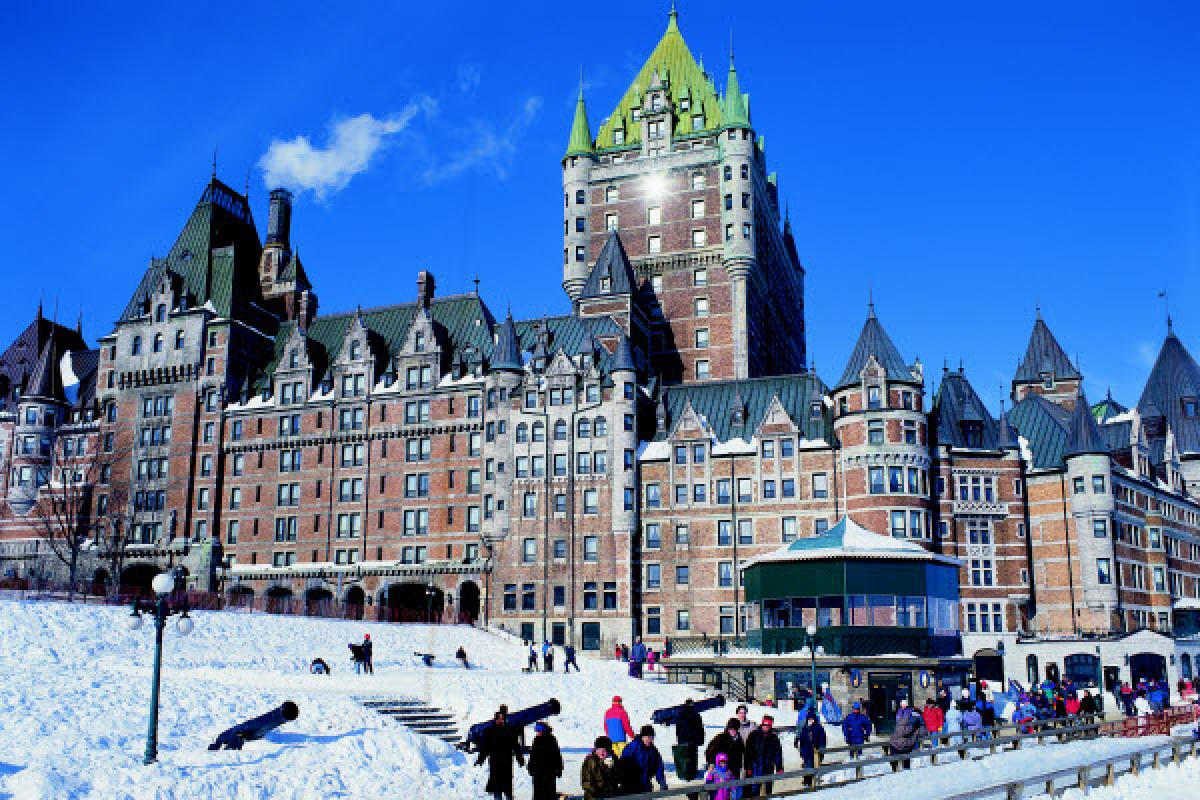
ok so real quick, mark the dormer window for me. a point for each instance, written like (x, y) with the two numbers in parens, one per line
(1191, 407)
(293, 359)
(419, 342)
(619, 136)
(654, 130)
(606, 284)
(697, 122)
(972, 433)
(637, 115)
(874, 397)
(355, 350)
(656, 102)
(160, 313)
(685, 104)
(1047, 380)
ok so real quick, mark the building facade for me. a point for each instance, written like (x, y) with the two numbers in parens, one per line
(603, 473)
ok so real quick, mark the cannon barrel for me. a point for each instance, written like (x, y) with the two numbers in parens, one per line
(517, 719)
(670, 714)
(256, 728)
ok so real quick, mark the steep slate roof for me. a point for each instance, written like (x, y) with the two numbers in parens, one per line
(623, 357)
(1107, 408)
(1175, 376)
(715, 401)
(507, 352)
(1083, 435)
(462, 319)
(1045, 426)
(955, 402)
(1043, 354)
(848, 539)
(46, 379)
(673, 61)
(580, 143)
(215, 257)
(1117, 434)
(293, 270)
(613, 264)
(874, 341)
(735, 106)
(21, 357)
(573, 335)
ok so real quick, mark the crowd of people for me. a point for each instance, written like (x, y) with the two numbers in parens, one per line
(544, 656)
(639, 657)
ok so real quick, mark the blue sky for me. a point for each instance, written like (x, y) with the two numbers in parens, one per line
(965, 161)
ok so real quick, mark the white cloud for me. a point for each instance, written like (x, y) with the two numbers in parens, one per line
(351, 144)
(469, 78)
(486, 148)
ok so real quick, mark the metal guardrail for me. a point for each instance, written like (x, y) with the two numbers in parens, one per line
(824, 776)
(1046, 782)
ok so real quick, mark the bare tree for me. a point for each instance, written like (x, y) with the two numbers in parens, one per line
(113, 535)
(63, 512)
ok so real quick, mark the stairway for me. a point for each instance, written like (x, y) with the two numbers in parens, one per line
(417, 716)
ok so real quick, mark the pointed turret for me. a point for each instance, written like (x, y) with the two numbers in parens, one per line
(735, 108)
(623, 357)
(1083, 436)
(46, 381)
(1172, 392)
(873, 341)
(613, 274)
(580, 143)
(507, 355)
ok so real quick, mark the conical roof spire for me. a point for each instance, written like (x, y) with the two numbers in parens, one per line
(507, 355)
(1083, 436)
(735, 112)
(46, 382)
(623, 358)
(580, 143)
(873, 341)
(1044, 354)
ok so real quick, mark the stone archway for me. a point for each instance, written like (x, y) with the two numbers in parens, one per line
(241, 597)
(989, 666)
(318, 602)
(354, 602)
(279, 600)
(468, 602)
(411, 602)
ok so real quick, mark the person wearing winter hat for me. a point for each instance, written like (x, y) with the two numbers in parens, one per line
(856, 729)
(545, 763)
(720, 773)
(617, 726)
(597, 776)
(641, 764)
(368, 650)
(728, 743)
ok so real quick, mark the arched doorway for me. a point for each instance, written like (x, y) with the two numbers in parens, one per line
(241, 597)
(411, 602)
(989, 666)
(468, 602)
(279, 600)
(1147, 666)
(353, 603)
(318, 602)
(136, 579)
(100, 581)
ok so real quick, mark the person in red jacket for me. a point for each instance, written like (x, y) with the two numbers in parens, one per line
(933, 716)
(616, 726)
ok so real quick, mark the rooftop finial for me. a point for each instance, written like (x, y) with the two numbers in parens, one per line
(214, 164)
(476, 282)
(870, 302)
(1037, 310)
(673, 18)
(1167, 309)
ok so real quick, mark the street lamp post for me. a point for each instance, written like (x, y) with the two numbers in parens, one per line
(162, 610)
(813, 649)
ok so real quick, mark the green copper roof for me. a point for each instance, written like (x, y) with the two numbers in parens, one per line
(676, 67)
(735, 108)
(581, 133)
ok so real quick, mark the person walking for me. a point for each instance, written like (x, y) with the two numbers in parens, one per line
(810, 741)
(545, 763)
(933, 716)
(856, 729)
(689, 737)
(641, 764)
(637, 658)
(617, 727)
(597, 776)
(499, 747)
(909, 727)
(368, 651)
(533, 658)
(547, 656)
(952, 723)
(569, 659)
(729, 744)
(764, 756)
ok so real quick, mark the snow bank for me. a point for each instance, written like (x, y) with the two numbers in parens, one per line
(1172, 782)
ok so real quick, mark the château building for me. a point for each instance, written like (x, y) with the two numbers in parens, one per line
(606, 472)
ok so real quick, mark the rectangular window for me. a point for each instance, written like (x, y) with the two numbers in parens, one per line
(653, 537)
(724, 533)
(654, 244)
(529, 551)
(899, 524)
(1100, 528)
(682, 575)
(875, 431)
(591, 548)
(724, 574)
(1098, 484)
(653, 576)
(1104, 570)
(788, 525)
(820, 486)
(683, 620)
(876, 479)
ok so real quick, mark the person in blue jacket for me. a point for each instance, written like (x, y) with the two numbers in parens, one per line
(810, 739)
(641, 764)
(856, 729)
(637, 657)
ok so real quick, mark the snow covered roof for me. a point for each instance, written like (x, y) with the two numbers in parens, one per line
(848, 539)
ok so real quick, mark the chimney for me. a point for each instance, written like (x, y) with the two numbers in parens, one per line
(279, 220)
(425, 285)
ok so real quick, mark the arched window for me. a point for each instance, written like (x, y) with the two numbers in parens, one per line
(522, 432)
(560, 431)
(539, 432)
(160, 313)
(600, 427)
(136, 347)
(158, 342)
(583, 428)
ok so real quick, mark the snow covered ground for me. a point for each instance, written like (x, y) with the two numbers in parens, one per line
(1172, 782)
(74, 692)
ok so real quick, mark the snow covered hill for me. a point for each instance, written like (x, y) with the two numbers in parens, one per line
(74, 695)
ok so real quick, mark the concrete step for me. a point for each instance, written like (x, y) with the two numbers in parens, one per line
(418, 716)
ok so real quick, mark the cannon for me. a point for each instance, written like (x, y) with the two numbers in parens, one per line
(426, 658)
(515, 719)
(255, 728)
(670, 714)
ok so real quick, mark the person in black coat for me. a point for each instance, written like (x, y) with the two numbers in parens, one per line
(764, 756)
(689, 736)
(729, 742)
(545, 763)
(368, 651)
(499, 747)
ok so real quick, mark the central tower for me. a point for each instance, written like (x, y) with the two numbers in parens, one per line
(678, 172)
